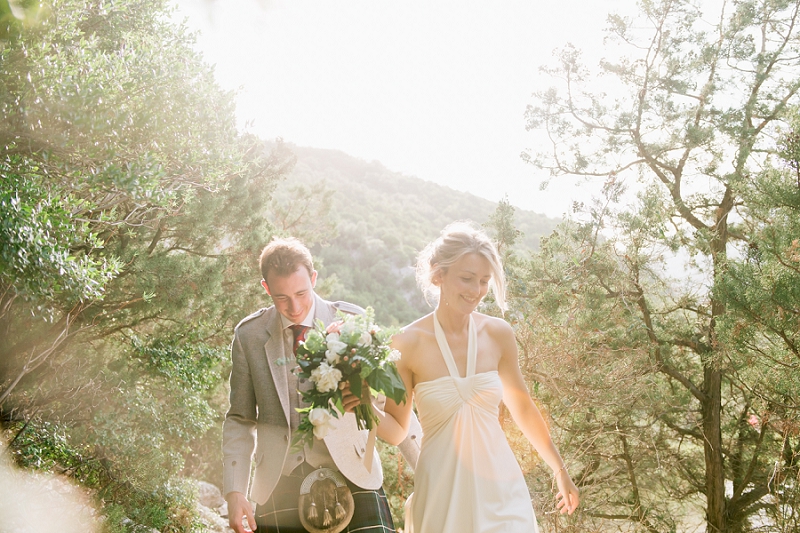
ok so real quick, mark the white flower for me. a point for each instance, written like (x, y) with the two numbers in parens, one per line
(334, 344)
(348, 328)
(321, 419)
(331, 357)
(326, 377)
(365, 339)
(394, 356)
(335, 347)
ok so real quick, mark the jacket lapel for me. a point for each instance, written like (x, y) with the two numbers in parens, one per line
(276, 350)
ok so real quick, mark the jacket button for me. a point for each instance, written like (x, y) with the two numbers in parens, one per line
(233, 463)
(286, 438)
(413, 437)
(363, 450)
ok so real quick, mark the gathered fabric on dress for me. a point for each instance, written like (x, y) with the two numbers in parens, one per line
(467, 478)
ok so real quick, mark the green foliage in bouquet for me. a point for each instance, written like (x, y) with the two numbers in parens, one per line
(355, 351)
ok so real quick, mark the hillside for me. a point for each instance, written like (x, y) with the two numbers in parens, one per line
(382, 219)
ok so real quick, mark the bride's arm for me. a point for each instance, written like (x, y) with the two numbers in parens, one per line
(528, 417)
(395, 419)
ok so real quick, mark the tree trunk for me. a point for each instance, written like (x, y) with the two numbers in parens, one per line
(715, 473)
(716, 511)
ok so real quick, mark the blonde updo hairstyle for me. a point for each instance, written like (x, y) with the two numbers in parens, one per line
(456, 240)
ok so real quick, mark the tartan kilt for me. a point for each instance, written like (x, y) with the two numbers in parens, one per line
(279, 514)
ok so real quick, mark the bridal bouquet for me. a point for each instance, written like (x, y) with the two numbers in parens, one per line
(351, 350)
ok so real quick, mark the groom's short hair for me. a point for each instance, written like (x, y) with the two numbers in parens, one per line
(283, 256)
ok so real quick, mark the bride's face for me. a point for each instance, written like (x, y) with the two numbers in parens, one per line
(465, 283)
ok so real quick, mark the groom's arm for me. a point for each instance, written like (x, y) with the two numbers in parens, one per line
(410, 447)
(239, 439)
(239, 427)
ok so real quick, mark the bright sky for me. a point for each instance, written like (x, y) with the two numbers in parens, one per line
(433, 89)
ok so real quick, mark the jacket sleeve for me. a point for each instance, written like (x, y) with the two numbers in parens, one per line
(239, 427)
(410, 447)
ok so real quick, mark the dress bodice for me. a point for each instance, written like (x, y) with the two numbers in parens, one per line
(438, 399)
(467, 478)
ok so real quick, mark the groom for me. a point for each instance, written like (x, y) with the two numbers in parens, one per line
(263, 401)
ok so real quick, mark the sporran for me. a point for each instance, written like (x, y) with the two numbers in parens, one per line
(326, 503)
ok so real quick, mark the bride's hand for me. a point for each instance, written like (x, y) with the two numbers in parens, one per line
(567, 496)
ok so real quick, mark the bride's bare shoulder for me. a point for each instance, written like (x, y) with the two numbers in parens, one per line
(496, 327)
(413, 334)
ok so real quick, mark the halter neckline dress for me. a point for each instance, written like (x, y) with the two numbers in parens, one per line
(467, 479)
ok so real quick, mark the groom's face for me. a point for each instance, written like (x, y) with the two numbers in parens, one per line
(292, 295)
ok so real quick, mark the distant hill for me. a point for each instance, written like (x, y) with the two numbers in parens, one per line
(382, 220)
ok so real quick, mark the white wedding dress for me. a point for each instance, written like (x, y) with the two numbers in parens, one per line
(467, 479)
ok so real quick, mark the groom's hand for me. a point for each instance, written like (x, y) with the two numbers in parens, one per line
(349, 400)
(239, 509)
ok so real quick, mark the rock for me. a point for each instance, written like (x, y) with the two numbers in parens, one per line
(212, 508)
(213, 520)
(209, 495)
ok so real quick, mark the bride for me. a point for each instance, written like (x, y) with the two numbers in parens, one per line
(460, 364)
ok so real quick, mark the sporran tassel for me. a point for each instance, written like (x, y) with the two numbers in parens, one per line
(326, 520)
(312, 512)
(340, 512)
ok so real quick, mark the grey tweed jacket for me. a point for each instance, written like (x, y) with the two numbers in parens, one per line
(257, 423)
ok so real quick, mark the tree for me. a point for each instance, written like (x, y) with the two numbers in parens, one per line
(132, 213)
(760, 331)
(696, 107)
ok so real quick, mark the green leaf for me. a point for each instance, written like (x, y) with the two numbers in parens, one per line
(355, 385)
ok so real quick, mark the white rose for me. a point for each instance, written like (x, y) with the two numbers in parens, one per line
(365, 339)
(394, 356)
(331, 357)
(326, 377)
(334, 344)
(321, 420)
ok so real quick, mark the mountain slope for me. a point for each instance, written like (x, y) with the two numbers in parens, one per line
(382, 220)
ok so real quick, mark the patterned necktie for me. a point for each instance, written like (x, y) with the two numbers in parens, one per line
(299, 333)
